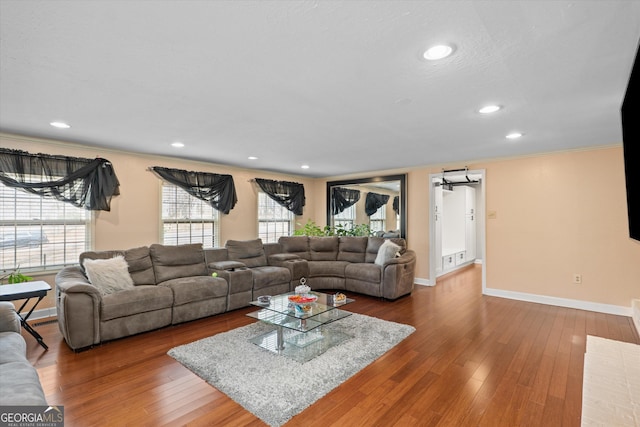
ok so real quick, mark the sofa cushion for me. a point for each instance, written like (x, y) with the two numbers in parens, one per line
(140, 299)
(172, 262)
(327, 268)
(21, 386)
(249, 252)
(388, 250)
(12, 347)
(364, 271)
(323, 248)
(352, 249)
(108, 275)
(196, 288)
(269, 275)
(297, 245)
(140, 266)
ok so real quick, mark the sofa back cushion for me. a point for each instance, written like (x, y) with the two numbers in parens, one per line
(352, 249)
(323, 248)
(138, 259)
(172, 262)
(140, 266)
(248, 252)
(297, 245)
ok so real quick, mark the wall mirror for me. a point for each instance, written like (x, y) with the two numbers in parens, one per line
(379, 202)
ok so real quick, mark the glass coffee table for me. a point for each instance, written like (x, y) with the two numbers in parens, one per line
(299, 335)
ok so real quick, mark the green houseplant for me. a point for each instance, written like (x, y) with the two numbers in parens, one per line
(312, 229)
(15, 277)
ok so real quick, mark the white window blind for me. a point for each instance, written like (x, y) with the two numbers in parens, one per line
(186, 219)
(377, 221)
(273, 220)
(38, 233)
(346, 218)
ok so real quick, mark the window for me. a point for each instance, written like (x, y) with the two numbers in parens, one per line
(273, 220)
(38, 233)
(378, 219)
(346, 218)
(186, 219)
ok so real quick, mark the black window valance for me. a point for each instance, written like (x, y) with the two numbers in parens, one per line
(88, 183)
(289, 195)
(342, 198)
(374, 201)
(217, 190)
(396, 205)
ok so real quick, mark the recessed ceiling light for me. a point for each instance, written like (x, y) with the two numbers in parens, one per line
(252, 158)
(488, 109)
(305, 166)
(177, 144)
(438, 52)
(60, 125)
(514, 135)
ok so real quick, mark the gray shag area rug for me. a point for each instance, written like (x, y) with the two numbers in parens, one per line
(275, 388)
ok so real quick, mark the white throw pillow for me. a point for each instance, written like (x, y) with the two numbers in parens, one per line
(108, 275)
(388, 250)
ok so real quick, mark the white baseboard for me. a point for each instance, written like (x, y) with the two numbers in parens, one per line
(561, 302)
(423, 282)
(41, 314)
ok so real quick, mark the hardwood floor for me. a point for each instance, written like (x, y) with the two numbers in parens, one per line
(473, 360)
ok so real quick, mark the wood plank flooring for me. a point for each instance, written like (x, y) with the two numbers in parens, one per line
(473, 361)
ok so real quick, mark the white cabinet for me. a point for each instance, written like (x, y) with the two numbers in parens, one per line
(448, 262)
(455, 227)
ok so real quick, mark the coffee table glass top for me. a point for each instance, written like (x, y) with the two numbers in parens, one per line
(299, 335)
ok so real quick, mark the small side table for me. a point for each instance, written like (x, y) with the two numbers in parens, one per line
(26, 290)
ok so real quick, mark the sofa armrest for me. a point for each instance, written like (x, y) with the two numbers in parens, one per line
(9, 321)
(227, 265)
(278, 259)
(78, 308)
(296, 265)
(398, 276)
(407, 257)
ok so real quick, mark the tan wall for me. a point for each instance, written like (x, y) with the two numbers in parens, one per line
(557, 214)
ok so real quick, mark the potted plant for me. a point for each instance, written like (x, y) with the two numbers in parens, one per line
(15, 277)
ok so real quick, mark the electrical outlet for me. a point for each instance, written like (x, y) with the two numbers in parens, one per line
(577, 278)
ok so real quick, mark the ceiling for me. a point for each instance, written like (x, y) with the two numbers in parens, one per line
(338, 85)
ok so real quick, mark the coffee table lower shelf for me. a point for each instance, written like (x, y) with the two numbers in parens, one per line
(300, 346)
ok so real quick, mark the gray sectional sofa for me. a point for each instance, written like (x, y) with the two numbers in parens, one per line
(174, 284)
(20, 383)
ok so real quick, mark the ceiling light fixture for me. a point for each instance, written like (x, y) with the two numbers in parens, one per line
(438, 52)
(252, 158)
(305, 166)
(60, 125)
(514, 135)
(488, 109)
(177, 144)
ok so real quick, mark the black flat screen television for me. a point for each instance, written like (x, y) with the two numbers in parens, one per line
(630, 113)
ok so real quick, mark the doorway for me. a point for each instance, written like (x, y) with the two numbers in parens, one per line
(452, 246)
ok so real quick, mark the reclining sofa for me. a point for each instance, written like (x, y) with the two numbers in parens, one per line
(175, 284)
